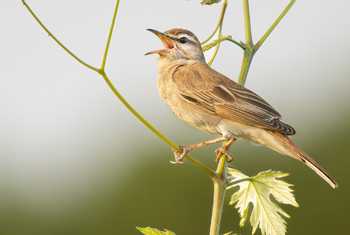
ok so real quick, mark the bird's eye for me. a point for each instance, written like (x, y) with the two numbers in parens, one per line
(183, 40)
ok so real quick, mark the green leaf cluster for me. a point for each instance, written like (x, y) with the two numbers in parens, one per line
(154, 231)
(257, 192)
(209, 2)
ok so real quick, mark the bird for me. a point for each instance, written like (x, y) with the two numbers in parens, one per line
(213, 103)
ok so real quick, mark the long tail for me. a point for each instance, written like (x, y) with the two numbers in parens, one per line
(284, 145)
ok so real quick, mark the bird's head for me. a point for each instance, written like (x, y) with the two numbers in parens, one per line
(179, 44)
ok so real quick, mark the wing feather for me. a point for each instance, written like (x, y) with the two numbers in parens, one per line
(215, 93)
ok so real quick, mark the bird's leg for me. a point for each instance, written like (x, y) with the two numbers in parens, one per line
(185, 149)
(223, 150)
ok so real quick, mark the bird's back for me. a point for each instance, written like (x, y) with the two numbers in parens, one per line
(218, 95)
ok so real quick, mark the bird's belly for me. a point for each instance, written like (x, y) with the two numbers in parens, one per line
(241, 131)
(255, 135)
(196, 118)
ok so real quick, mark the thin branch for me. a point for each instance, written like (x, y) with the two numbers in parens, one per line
(110, 34)
(247, 24)
(152, 128)
(218, 24)
(215, 53)
(250, 48)
(222, 16)
(246, 62)
(72, 54)
(213, 33)
(240, 44)
(222, 39)
(274, 24)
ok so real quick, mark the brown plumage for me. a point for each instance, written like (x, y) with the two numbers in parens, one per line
(221, 96)
(211, 102)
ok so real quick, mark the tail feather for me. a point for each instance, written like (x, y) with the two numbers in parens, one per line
(290, 149)
(318, 169)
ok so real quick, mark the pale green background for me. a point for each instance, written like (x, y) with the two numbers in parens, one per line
(74, 161)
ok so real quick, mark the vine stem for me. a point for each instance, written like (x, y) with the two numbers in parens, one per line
(153, 129)
(249, 51)
(247, 24)
(274, 24)
(221, 21)
(219, 189)
(221, 39)
(220, 180)
(214, 31)
(72, 54)
(110, 34)
(250, 47)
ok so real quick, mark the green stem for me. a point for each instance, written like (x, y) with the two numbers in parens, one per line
(214, 32)
(215, 53)
(220, 181)
(250, 48)
(72, 54)
(246, 62)
(152, 128)
(247, 24)
(211, 35)
(222, 15)
(218, 206)
(219, 189)
(222, 39)
(274, 24)
(110, 34)
(249, 45)
(240, 44)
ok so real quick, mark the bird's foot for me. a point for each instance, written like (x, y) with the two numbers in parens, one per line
(222, 152)
(180, 154)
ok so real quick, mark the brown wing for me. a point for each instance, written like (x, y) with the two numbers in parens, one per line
(217, 94)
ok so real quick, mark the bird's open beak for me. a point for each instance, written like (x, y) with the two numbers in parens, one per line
(167, 41)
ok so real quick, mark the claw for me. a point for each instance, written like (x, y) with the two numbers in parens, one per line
(180, 154)
(177, 162)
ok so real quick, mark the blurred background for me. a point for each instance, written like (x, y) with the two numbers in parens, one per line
(74, 161)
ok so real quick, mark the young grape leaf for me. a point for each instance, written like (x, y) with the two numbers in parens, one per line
(209, 2)
(257, 191)
(153, 231)
(230, 233)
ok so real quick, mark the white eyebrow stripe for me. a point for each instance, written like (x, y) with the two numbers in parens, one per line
(186, 36)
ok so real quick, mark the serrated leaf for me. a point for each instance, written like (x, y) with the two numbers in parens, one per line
(230, 233)
(209, 2)
(154, 231)
(257, 191)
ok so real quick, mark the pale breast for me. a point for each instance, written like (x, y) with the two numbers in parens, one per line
(183, 109)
